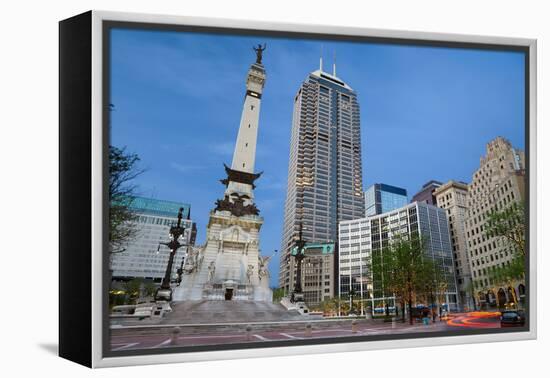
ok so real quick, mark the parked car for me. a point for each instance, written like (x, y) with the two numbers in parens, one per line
(511, 318)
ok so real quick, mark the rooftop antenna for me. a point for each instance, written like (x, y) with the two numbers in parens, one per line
(321, 60)
(334, 63)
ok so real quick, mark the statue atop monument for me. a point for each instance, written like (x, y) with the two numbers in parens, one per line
(259, 51)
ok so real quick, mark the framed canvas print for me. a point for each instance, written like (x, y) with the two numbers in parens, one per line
(231, 189)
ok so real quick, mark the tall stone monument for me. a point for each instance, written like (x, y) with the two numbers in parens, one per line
(229, 265)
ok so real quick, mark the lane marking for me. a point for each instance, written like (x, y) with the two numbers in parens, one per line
(289, 336)
(261, 337)
(211, 336)
(165, 342)
(125, 346)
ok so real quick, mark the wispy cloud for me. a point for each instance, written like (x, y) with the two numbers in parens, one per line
(224, 148)
(186, 167)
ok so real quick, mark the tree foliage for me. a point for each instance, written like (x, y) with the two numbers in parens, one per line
(335, 306)
(433, 283)
(132, 290)
(505, 275)
(407, 273)
(401, 265)
(123, 169)
(278, 294)
(508, 224)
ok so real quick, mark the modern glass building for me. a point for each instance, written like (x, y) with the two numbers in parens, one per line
(381, 198)
(361, 239)
(142, 257)
(324, 173)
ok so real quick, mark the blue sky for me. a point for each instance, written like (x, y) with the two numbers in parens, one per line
(426, 113)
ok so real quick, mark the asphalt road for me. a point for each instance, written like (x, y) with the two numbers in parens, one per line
(475, 320)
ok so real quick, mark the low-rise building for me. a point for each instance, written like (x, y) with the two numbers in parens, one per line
(361, 238)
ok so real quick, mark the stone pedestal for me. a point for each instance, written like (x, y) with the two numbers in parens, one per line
(228, 267)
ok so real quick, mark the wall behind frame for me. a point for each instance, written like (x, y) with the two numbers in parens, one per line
(75, 82)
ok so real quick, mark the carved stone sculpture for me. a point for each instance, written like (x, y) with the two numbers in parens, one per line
(191, 261)
(237, 206)
(211, 271)
(263, 262)
(249, 273)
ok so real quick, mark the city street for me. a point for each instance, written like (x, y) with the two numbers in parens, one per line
(371, 328)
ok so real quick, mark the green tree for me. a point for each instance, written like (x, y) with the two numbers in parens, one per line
(132, 289)
(278, 294)
(332, 306)
(508, 224)
(123, 170)
(402, 265)
(433, 283)
(149, 289)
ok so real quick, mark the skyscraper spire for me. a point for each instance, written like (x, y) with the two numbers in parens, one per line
(334, 64)
(321, 60)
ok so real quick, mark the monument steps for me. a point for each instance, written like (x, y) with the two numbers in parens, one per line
(230, 311)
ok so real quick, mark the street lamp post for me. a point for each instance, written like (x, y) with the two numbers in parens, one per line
(165, 291)
(297, 293)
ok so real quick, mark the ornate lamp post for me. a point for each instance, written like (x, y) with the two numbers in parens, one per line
(165, 291)
(297, 294)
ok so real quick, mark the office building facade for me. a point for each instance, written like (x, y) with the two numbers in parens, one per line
(381, 198)
(497, 184)
(325, 172)
(360, 239)
(426, 194)
(452, 197)
(144, 257)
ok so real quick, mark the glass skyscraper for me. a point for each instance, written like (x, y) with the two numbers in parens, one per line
(381, 198)
(324, 173)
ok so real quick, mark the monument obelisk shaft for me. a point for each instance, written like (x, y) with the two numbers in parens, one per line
(245, 148)
(229, 266)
